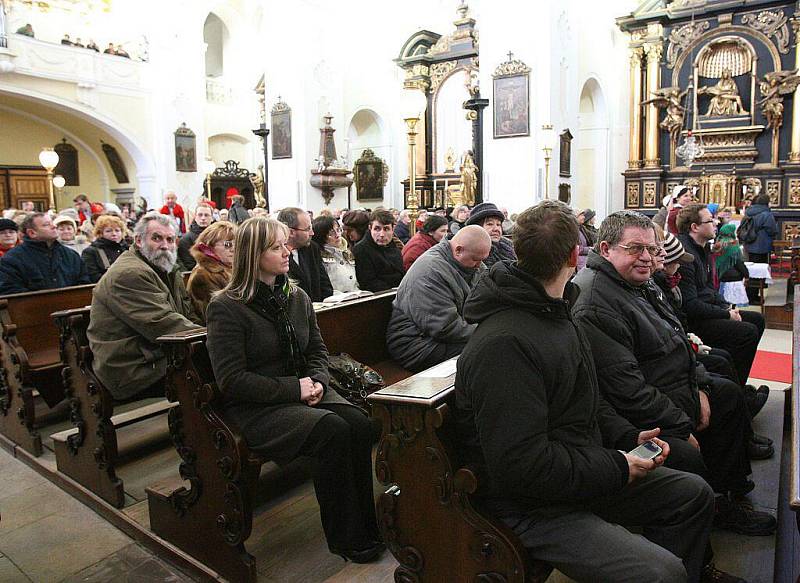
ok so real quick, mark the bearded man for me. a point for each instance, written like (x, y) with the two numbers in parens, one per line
(140, 298)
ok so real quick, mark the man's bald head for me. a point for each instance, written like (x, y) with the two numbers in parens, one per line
(470, 246)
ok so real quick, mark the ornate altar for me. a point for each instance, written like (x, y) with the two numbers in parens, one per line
(445, 69)
(721, 77)
(227, 181)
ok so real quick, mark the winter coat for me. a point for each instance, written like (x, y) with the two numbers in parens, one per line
(178, 215)
(94, 262)
(416, 246)
(208, 276)
(77, 245)
(237, 214)
(501, 250)
(185, 259)
(700, 300)
(645, 365)
(527, 404)
(766, 227)
(585, 246)
(428, 308)
(401, 232)
(341, 269)
(672, 219)
(660, 217)
(310, 274)
(35, 265)
(378, 267)
(247, 358)
(134, 304)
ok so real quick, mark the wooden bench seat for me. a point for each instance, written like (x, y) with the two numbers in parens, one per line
(89, 452)
(427, 516)
(31, 361)
(794, 412)
(222, 472)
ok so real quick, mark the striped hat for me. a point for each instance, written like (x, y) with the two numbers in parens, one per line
(675, 251)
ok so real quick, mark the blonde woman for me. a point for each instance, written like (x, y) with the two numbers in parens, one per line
(213, 251)
(272, 366)
(107, 246)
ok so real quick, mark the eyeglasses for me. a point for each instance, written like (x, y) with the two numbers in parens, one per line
(227, 244)
(638, 249)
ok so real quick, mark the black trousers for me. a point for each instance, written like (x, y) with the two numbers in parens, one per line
(720, 362)
(722, 459)
(341, 446)
(740, 339)
(758, 257)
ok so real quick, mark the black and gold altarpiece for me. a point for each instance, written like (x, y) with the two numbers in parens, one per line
(726, 71)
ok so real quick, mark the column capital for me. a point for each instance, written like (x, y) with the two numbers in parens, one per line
(636, 56)
(654, 50)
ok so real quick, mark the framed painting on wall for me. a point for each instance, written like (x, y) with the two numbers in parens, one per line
(370, 174)
(185, 150)
(281, 131)
(511, 91)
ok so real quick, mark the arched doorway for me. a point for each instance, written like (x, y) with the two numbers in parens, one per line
(592, 150)
(367, 131)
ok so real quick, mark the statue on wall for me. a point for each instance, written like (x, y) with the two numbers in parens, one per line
(257, 180)
(774, 86)
(670, 99)
(725, 99)
(469, 179)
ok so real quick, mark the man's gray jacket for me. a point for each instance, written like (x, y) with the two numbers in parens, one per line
(428, 308)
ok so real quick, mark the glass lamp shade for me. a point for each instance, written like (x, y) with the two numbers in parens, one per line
(48, 158)
(413, 103)
(209, 166)
(59, 181)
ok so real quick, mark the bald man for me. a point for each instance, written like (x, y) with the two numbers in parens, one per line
(427, 325)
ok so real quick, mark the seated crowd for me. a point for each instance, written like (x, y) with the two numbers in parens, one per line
(585, 341)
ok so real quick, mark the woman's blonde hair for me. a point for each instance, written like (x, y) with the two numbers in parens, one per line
(253, 237)
(213, 234)
(108, 221)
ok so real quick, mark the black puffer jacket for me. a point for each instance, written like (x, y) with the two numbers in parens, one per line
(378, 267)
(645, 365)
(185, 259)
(94, 262)
(527, 402)
(700, 300)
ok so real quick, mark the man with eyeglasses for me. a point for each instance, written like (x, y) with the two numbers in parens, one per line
(140, 298)
(647, 370)
(305, 260)
(710, 316)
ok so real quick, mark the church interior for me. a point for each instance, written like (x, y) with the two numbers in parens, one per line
(424, 104)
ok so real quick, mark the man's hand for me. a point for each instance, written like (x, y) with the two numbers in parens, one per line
(638, 467)
(734, 315)
(306, 389)
(316, 395)
(693, 442)
(705, 412)
(652, 434)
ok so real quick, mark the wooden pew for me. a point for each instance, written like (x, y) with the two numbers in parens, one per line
(89, 453)
(427, 516)
(31, 363)
(221, 471)
(794, 471)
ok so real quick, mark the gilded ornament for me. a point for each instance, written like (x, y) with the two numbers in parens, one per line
(439, 71)
(729, 53)
(771, 23)
(794, 192)
(670, 99)
(774, 86)
(469, 179)
(511, 67)
(442, 46)
(636, 57)
(725, 99)
(774, 192)
(450, 161)
(654, 52)
(472, 83)
(649, 194)
(280, 107)
(682, 37)
(633, 195)
(791, 230)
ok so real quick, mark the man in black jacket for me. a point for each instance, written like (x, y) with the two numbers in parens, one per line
(203, 217)
(305, 260)
(379, 263)
(529, 409)
(647, 370)
(710, 316)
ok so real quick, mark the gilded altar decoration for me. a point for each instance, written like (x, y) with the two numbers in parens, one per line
(794, 192)
(439, 71)
(773, 88)
(650, 194)
(729, 53)
(450, 161)
(469, 179)
(671, 100)
(257, 180)
(681, 37)
(771, 23)
(752, 186)
(471, 82)
(774, 192)
(511, 98)
(725, 98)
(633, 195)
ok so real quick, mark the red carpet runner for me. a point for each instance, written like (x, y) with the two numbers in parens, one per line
(772, 366)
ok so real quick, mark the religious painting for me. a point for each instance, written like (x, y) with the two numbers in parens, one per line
(511, 99)
(185, 150)
(565, 154)
(369, 175)
(281, 131)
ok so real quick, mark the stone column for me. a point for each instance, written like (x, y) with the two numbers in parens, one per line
(654, 51)
(635, 155)
(794, 152)
(475, 106)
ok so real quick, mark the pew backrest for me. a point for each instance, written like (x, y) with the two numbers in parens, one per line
(794, 486)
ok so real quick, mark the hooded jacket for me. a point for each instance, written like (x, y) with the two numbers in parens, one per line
(766, 228)
(427, 310)
(34, 266)
(645, 365)
(378, 267)
(527, 403)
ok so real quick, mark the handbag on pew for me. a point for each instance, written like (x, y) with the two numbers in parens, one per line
(352, 380)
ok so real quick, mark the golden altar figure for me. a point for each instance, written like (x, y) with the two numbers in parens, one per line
(725, 98)
(469, 180)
